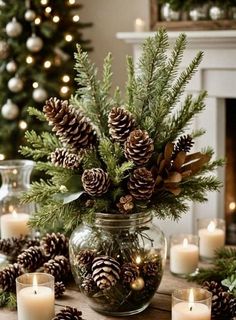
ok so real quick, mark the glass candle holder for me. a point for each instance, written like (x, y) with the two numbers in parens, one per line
(184, 254)
(191, 304)
(35, 296)
(211, 234)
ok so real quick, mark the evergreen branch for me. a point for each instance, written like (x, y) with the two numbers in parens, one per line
(131, 86)
(90, 160)
(38, 114)
(117, 97)
(40, 192)
(11, 301)
(225, 253)
(107, 75)
(121, 171)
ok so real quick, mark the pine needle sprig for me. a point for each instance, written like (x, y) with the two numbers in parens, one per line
(131, 86)
(8, 300)
(36, 113)
(40, 192)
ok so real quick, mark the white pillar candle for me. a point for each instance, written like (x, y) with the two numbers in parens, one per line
(14, 225)
(184, 258)
(211, 238)
(35, 302)
(139, 25)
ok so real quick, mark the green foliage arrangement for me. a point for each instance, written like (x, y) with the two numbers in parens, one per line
(110, 155)
(189, 4)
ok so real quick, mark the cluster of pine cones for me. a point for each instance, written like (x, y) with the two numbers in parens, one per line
(152, 173)
(50, 254)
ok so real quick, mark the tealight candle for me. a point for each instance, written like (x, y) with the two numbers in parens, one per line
(14, 225)
(139, 25)
(35, 296)
(184, 254)
(212, 236)
(191, 304)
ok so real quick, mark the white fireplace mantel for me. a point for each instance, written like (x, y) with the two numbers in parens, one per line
(217, 75)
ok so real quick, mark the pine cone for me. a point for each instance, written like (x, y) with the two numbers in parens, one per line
(121, 123)
(68, 313)
(55, 244)
(69, 124)
(8, 276)
(59, 289)
(85, 258)
(129, 272)
(139, 147)
(95, 181)
(125, 204)
(88, 285)
(59, 267)
(105, 272)
(151, 268)
(232, 307)
(61, 157)
(184, 143)
(141, 184)
(31, 258)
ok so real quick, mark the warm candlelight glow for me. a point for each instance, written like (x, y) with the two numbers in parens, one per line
(185, 243)
(232, 206)
(211, 226)
(14, 214)
(35, 284)
(191, 300)
(138, 259)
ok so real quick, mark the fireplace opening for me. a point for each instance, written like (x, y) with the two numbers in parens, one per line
(230, 174)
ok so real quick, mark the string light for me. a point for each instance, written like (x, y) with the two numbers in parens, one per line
(56, 19)
(71, 2)
(64, 90)
(47, 64)
(29, 59)
(76, 18)
(48, 9)
(65, 78)
(35, 85)
(2, 156)
(68, 38)
(23, 125)
(37, 21)
(44, 2)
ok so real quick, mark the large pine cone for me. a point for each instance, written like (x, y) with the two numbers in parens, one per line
(139, 147)
(68, 313)
(129, 272)
(55, 244)
(141, 184)
(8, 276)
(31, 258)
(61, 157)
(95, 182)
(59, 267)
(105, 272)
(69, 124)
(121, 123)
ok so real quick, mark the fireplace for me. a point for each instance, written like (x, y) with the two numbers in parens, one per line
(217, 75)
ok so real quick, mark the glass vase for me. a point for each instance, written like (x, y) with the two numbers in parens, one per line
(118, 262)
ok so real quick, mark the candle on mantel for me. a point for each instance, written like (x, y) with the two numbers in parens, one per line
(211, 239)
(139, 25)
(14, 225)
(184, 257)
(191, 309)
(35, 301)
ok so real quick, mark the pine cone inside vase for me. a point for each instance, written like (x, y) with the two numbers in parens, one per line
(95, 181)
(121, 123)
(31, 258)
(59, 289)
(59, 267)
(55, 244)
(88, 285)
(125, 204)
(61, 157)
(85, 258)
(184, 143)
(151, 268)
(68, 313)
(141, 184)
(105, 272)
(139, 147)
(69, 124)
(8, 276)
(129, 272)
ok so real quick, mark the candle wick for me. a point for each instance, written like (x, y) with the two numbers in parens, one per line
(191, 308)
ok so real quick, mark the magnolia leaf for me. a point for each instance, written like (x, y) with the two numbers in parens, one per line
(74, 184)
(68, 196)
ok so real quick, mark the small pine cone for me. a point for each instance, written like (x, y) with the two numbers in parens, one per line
(59, 289)
(85, 258)
(68, 313)
(58, 156)
(95, 181)
(141, 184)
(129, 272)
(59, 267)
(55, 244)
(125, 204)
(184, 143)
(32, 242)
(121, 123)
(105, 272)
(69, 124)
(8, 276)
(62, 158)
(88, 285)
(31, 258)
(139, 147)
(151, 268)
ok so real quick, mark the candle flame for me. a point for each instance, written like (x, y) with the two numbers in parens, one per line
(14, 214)
(211, 227)
(138, 259)
(139, 21)
(232, 206)
(35, 284)
(191, 299)
(185, 243)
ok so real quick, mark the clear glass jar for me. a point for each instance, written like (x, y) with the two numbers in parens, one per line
(118, 262)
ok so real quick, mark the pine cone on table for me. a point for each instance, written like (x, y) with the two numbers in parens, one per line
(129, 272)
(184, 143)
(8, 276)
(125, 204)
(105, 272)
(59, 267)
(59, 289)
(232, 307)
(31, 258)
(69, 124)
(95, 181)
(121, 123)
(139, 147)
(141, 184)
(68, 313)
(55, 244)
(61, 157)
(88, 285)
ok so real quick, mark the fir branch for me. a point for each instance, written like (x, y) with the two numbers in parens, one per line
(107, 75)
(40, 192)
(170, 207)
(11, 301)
(35, 112)
(117, 97)
(226, 253)
(131, 86)
(90, 160)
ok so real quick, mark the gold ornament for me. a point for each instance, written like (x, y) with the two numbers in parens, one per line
(4, 50)
(138, 284)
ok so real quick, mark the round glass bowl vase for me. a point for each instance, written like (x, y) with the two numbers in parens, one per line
(118, 262)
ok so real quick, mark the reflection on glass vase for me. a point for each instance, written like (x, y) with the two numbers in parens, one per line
(118, 262)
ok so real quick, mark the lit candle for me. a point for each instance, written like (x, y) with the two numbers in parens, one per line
(184, 257)
(35, 301)
(14, 225)
(139, 25)
(211, 239)
(191, 309)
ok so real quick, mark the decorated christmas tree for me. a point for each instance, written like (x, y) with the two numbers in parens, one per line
(37, 44)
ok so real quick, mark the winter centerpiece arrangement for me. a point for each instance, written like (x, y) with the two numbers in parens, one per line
(113, 163)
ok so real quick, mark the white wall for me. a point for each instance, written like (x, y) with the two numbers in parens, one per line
(110, 17)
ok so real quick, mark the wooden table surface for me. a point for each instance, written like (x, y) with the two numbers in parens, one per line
(160, 307)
